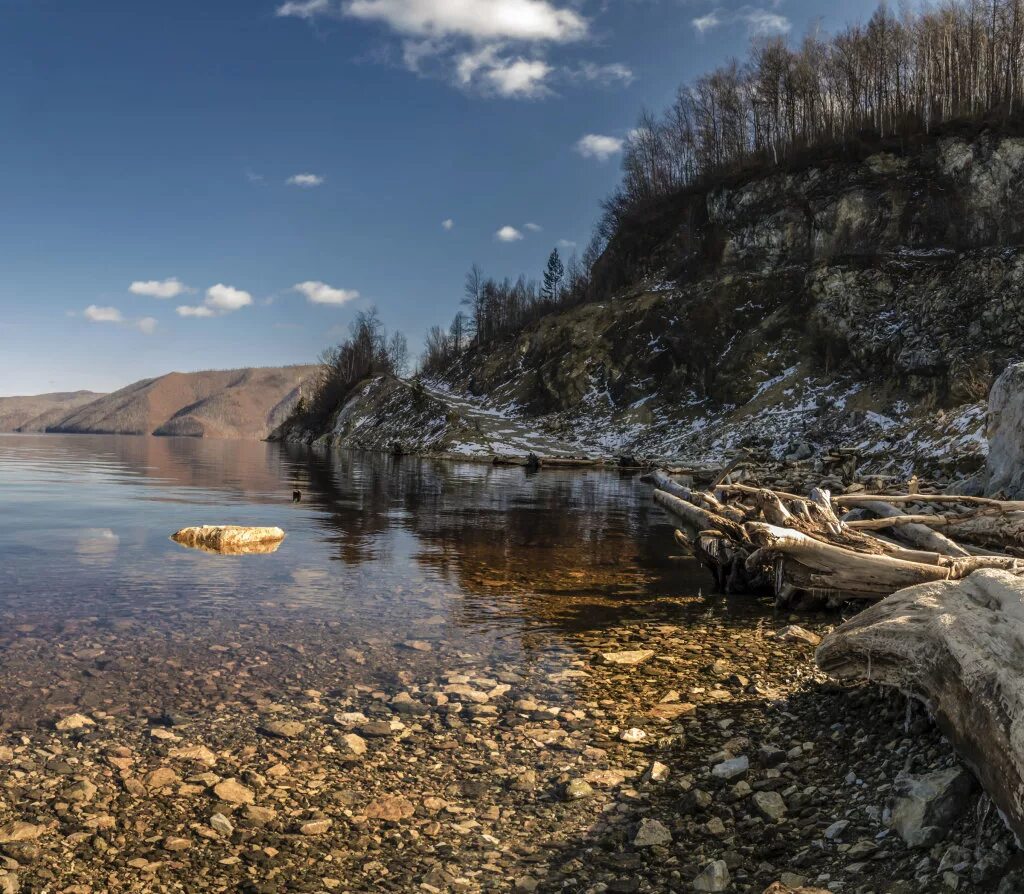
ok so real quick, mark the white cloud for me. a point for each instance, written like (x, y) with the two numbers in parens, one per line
(759, 22)
(304, 9)
(612, 73)
(448, 224)
(306, 181)
(226, 298)
(522, 78)
(493, 73)
(321, 293)
(534, 228)
(523, 20)
(153, 288)
(599, 146)
(508, 234)
(706, 22)
(96, 314)
(566, 243)
(185, 310)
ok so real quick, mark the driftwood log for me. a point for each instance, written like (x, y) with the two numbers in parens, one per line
(958, 646)
(799, 548)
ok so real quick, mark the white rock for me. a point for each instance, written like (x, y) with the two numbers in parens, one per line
(731, 768)
(714, 877)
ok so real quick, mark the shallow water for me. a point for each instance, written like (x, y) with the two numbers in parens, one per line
(100, 609)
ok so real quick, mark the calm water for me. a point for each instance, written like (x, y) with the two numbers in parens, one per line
(98, 608)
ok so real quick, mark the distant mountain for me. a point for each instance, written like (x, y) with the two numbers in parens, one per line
(34, 413)
(237, 403)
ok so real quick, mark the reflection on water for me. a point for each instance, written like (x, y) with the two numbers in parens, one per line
(381, 550)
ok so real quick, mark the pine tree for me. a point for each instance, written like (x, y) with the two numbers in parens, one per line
(553, 274)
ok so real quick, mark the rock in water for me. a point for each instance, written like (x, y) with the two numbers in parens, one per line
(930, 804)
(714, 877)
(628, 658)
(958, 647)
(230, 539)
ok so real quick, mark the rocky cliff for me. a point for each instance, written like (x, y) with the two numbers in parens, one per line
(862, 302)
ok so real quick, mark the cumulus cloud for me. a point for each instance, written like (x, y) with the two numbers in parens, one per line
(491, 71)
(306, 181)
(226, 298)
(163, 288)
(482, 20)
(758, 22)
(321, 293)
(448, 224)
(566, 243)
(508, 234)
(304, 9)
(95, 314)
(494, 47)
(599, 146)
(534, 227)
(220, 299)
(185, 310)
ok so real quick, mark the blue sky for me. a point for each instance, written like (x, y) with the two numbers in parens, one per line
(217, 183)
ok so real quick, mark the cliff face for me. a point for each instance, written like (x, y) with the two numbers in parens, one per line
(866, 303)
(240, 403)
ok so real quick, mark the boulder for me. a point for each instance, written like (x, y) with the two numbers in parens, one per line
(230, 539)
(957, 646)
(714, 877)
(1005, 467)
(928, 805)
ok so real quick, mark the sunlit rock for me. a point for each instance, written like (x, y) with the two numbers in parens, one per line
(230, 539)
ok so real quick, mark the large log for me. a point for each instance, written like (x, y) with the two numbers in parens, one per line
(914, 532)
(958, 646)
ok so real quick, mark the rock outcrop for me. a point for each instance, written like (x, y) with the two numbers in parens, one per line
(864, 302)
(959, 648)
(1005, 468)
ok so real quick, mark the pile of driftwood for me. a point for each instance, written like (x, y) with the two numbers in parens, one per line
(824, 548)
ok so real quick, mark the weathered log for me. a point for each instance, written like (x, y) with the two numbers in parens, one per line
(230, 539)
(959, 648)
(698, 518)
(1004, 505)
(815, 565)
(919, 534)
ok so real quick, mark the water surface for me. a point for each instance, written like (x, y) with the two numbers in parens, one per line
(385, 559)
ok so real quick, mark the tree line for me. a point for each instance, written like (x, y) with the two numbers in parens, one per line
(898, 74)
(496, 309)
(366, 352)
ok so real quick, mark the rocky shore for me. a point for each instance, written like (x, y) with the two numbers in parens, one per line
(686, 746)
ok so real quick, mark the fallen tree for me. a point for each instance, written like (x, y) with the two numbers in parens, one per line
(799, 548)
(957, 646)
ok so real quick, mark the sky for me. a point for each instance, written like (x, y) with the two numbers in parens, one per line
(222, 183)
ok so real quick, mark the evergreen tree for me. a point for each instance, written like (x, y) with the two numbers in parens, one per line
(553, 274)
